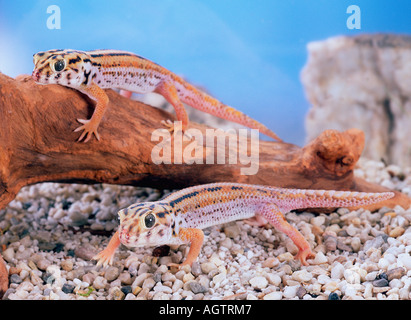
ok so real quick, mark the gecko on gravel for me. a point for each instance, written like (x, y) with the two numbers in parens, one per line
(92, 71)
(179, 217)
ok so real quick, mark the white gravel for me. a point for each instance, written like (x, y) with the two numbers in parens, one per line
(50, 232)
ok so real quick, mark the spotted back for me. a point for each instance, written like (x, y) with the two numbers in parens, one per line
(147, 223)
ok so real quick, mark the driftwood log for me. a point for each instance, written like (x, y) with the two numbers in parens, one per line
(37, 144)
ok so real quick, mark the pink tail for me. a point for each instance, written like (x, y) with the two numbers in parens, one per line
(202, 101)
(331, 198)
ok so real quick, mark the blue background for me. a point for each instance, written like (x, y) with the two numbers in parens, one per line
(248, 54)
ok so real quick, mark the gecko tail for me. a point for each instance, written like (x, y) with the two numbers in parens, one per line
(332, 198)
(204, 102)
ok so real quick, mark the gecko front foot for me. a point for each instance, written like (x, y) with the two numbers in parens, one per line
(104, 257)
(89, 128)
(178, 266)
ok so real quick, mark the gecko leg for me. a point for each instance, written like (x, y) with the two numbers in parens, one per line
(196, 238)
(274, 215)
(106, 256)
(169, 92)
(90, 126)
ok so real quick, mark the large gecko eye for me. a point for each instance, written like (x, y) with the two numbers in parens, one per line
(149, 220)
(59, 65)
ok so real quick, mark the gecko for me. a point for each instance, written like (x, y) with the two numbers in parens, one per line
(180, 217)
(90, 72)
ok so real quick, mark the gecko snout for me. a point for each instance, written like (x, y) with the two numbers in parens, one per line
(35, 75)
(124, 236)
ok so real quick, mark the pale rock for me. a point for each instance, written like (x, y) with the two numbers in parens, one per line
(362, 82)
(8, 254)
(99, 283)
(337, 272)
(352, 276)
(284, 257)
(253, 297)
(405, 260)
(139, 280)
(207, 267)
(258, 282)
(290, 292)
(330, 286)
(320, 258)
(67, 265)
(302, 276)
(149, 283)
(274, 279)
(271, 262)
(232, 231)
(218, 278)
(276, 295)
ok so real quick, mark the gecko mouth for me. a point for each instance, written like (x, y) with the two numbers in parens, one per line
(35, 75)
(124, 236)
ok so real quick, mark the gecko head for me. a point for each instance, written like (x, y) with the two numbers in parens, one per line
(147, 223)
(65, 67)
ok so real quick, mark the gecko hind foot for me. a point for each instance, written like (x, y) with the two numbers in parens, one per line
(303, 255)
(257, 221)
(171, 128)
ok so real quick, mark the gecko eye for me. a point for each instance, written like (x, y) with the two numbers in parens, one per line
(59, 65)
(149, 220)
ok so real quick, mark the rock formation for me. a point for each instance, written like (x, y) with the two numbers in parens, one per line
(362, 82)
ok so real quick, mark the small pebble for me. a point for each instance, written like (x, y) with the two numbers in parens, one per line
(8, 254)
(68, 288)
(197, 287)
(207, 267)
(301, 292)
(395, 273)
(126, 290)
(284, 257)
(302, 276)
(15, 278)
(290, 291)
(111, 273)
(380, 283)
(271, 262)
(43, 264)
(67, 265)
(117, 293)
(99, 283)
(396, 232)
(337, 272)
(85, 253)
(333, 296)
(259, 282)
(232, 231)
(276, 295)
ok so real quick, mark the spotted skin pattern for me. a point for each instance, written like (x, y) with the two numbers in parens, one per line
(92, 71)
(179, 218)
